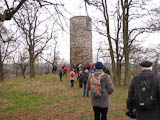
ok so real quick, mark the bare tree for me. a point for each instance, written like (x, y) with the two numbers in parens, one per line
(34, 31)
(102, 6)
(156, 65)
(154, 21)
(7, 46)
(156, 53)
(99, 51)
(124, 13)
(11, 7)
(15, 64)
(23, 62)
(53, 57)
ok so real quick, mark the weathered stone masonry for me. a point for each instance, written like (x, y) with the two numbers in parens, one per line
(80, 40)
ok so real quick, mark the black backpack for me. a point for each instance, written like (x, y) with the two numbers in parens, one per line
(145, 93)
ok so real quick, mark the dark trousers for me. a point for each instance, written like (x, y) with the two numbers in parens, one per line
(72, 83)
(80, 83)
(60, 77)
(100, 113)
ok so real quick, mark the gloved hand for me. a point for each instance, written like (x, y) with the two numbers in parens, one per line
(131, 114)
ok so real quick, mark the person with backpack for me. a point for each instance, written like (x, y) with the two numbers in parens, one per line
(60, 73)
(142, 101)
(101, 88)
(85, 81)
(72, 77)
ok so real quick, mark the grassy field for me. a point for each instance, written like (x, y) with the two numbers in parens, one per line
(46, 98)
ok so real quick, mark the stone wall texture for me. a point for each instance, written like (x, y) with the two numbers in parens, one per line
(80, 40)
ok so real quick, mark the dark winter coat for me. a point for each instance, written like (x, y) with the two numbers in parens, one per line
(144, 115)
(108, 88)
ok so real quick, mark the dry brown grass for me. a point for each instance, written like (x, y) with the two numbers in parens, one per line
(60, 101)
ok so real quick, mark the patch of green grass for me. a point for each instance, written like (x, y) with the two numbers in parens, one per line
(18, 101)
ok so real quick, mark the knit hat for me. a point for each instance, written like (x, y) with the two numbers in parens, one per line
(146, 64)
(99, 65)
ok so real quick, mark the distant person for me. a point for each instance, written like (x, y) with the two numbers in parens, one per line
(85, 81)
(65, 70)
(92, 66)
(105, 69)
(63, 66)
(143, 101)
(74, 66)
(88, 66)
(54, 69)
(101, 88)
(85, 66)
(60, 73)
(90, 75)
(79, 67)
(72, 77)
(80, 79)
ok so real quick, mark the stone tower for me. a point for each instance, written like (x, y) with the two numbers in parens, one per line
(80, 40)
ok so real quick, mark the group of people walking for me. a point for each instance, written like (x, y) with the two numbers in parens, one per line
(143, 102)
(96, 79)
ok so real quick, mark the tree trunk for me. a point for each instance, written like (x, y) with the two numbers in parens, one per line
(119, 72)
(127, 49)
(32, 67)
(23, 72)
(127, 69)
(118, 61)
(125, 8)
(114, 69)
(1, 71)
(16, 69)
(1, 67)
(106, 17)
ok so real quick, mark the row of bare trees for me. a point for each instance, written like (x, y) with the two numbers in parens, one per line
(119, 23)
(124, 16)
(34, 28)
(6, 42)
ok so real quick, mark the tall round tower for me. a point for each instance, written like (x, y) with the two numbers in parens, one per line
(80, 40)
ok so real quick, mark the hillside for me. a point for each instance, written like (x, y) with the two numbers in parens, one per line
(46, 98)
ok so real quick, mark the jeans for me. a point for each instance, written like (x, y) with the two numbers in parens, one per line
(100, 113)
(60, 77)
(84, 90)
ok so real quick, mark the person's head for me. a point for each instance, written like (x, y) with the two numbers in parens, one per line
(99, 65)
(86, 71)
(146, 65)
